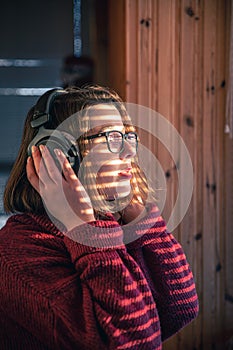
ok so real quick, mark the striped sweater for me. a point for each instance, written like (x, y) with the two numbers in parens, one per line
(132, 291)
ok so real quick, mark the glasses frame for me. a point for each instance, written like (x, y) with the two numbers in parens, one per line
(123, 138)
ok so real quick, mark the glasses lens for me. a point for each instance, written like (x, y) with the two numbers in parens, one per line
(115, 141)
(132, 139)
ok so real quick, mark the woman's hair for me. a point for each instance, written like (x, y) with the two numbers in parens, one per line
(19, 195)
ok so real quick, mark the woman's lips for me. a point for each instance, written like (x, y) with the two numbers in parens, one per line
(126, 174)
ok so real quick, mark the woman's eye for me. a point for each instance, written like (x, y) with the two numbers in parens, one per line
(115, 137)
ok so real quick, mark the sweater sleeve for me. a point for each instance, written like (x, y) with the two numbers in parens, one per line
(71, 296)
(164, 264)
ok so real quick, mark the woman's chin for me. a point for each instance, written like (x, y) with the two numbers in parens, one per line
(120, 193)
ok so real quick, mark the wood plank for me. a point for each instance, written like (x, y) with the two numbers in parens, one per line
(117, 46)
(209, 176)
(144, 34)
(131, 63)
(167, 104)
(164, 93)
(198, 230)
(228, 197)
(190, 85)
(220, 231)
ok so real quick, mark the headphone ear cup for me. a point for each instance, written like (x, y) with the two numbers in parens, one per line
(53, 139)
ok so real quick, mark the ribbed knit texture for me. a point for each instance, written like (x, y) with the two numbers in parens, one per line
(56, 293)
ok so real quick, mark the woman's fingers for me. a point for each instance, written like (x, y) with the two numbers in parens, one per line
(31, 174)
(40, 175)
(43, 169)
(52, 170)
(72, 179)
(67, 170)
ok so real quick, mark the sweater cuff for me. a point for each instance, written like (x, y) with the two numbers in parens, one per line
(94, 236)
(150, 226)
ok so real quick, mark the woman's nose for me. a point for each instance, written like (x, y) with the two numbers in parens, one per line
(128, 151)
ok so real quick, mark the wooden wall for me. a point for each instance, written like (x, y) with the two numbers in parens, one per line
(172, 56)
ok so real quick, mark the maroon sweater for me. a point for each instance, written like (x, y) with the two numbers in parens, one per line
(58, 294)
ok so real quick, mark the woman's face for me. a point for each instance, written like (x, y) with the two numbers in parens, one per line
(113, 171)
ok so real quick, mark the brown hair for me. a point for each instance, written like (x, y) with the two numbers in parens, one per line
(19, 195)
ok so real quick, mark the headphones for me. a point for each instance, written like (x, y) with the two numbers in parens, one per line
(53, 138)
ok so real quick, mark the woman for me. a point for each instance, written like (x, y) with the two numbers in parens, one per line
(86, 260)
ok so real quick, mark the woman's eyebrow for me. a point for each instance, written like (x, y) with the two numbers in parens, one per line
(103, 128)
(113, 126)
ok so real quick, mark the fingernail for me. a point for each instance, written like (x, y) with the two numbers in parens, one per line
(34, 149)
(58, 152)
(29, 159)
(42, 148)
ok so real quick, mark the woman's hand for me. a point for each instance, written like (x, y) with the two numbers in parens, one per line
(63, 195)
(133, 212)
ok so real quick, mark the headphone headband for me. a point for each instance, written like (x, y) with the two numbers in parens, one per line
(43, 106)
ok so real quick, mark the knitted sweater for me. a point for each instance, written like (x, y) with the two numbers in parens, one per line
(56, 293)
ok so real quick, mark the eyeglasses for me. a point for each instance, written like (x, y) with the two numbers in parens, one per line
(115, 140)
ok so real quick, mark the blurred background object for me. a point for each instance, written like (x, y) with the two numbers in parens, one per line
(77, 71)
